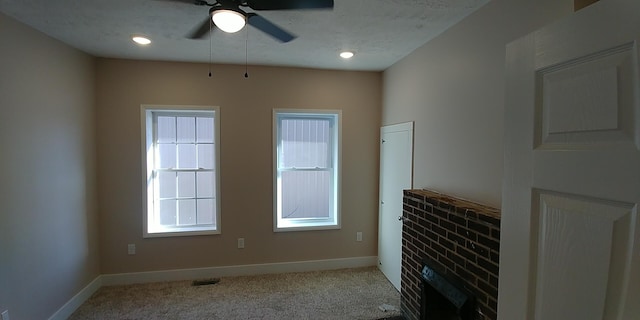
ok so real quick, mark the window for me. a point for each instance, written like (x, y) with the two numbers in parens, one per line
(180, 158)
(306, 170)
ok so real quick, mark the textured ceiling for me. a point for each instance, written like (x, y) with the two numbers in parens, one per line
(380, 32)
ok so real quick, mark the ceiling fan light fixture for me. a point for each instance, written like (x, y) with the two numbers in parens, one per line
(229, 21)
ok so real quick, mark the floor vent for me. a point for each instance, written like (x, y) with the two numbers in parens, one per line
(205, 282)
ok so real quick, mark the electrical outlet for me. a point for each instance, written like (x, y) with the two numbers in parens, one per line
(4, 315)
(359, 236)
(131, 248)
(240, 243)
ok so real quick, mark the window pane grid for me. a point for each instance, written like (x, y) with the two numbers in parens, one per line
(185, 136)
(185, 155)
(184, 170)
(191, 212)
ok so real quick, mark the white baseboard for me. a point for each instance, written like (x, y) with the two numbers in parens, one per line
(240, 270)
(68, 308)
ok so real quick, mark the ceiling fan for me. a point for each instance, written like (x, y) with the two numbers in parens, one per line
(228, 16)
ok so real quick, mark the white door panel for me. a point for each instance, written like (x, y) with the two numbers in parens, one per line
(582, 255)
(396, 156)
(570, 246)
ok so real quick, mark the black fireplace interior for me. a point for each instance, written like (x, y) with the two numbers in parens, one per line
(443, 298)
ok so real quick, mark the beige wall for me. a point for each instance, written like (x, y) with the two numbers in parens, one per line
(246, 159)
(48, 221)
(453, 88)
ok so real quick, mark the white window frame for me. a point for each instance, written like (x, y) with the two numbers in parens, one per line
(334, 221)
(148, 157)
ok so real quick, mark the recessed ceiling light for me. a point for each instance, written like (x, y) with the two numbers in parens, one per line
(141, 40)
(346, 54)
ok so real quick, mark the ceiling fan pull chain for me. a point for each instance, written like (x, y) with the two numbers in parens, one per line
(210, 45)
(246, 55)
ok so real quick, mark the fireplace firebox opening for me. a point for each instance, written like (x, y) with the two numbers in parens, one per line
(443, 298)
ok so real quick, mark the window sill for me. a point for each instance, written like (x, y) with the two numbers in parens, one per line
(289, 227)
(181, 232)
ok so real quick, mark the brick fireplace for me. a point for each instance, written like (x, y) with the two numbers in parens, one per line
(460, 237)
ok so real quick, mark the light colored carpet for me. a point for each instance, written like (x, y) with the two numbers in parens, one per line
(337, 294)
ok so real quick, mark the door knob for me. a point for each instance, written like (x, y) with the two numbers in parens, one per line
(401, 218)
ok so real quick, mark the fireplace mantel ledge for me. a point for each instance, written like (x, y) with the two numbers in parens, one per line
(461, 205)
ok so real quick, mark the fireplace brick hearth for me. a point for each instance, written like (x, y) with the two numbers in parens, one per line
(460, 235)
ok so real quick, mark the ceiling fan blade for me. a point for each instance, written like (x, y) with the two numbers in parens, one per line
(289, 4)
(269, 28)
(196, 2)
(201, 30)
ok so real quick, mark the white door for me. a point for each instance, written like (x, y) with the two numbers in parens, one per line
(570, 246)
(396, 158)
